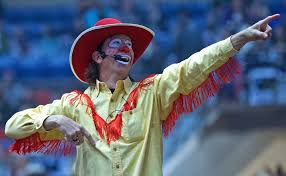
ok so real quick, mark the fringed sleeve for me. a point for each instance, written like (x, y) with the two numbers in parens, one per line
(30, 136)
(34, 143)
(209, 88)
(186, 85)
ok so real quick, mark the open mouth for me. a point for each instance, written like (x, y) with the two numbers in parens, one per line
(124, 59)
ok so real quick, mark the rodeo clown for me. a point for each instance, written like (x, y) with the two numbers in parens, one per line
(117, 124)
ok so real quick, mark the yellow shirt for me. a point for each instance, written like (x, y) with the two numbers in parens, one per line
(138, 148)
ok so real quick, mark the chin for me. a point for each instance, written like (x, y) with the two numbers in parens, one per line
(122, 72)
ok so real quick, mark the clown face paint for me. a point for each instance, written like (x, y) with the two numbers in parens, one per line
(123, 59)
(123, 46)
(116, 43)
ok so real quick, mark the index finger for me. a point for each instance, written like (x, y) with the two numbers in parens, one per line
(268, 19)
(88, 136)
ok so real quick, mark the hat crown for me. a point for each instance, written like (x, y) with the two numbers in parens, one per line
(106, 21)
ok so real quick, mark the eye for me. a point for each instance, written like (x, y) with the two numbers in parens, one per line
(115, 43)
(128, 43)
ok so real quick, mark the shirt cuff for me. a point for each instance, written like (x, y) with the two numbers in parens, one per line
(230, 47)
(39, 120)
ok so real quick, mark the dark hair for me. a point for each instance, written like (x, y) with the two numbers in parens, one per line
(92, 71)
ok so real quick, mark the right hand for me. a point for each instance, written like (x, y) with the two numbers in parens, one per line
(73, 131)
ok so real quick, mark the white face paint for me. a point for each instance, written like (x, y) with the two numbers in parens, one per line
(116, 43)
(122, 62)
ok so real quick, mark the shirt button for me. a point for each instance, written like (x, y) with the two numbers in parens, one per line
(130, 112)
(108, 120)
(117, 166)
(112, 100)
(115, 149)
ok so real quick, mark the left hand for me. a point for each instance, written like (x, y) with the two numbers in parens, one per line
(259, 31)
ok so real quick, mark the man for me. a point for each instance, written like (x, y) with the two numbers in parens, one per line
(116, 123)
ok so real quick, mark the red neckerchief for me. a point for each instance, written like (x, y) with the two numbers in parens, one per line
(110, 131)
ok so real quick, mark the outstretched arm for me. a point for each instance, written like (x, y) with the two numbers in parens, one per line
(186, 85)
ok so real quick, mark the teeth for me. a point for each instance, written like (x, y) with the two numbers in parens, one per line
(125, 59)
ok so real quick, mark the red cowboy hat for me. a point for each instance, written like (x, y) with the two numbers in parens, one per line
(88, 41)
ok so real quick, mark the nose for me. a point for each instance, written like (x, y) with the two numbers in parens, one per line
(124, 49)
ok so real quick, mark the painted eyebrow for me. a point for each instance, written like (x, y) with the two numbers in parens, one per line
(126, 40)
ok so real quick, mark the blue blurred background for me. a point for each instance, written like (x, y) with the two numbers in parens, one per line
(35, 39)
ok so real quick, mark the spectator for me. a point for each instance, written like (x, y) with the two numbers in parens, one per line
(4, 48)
(280, 171)
(186, 33)
(20, 45)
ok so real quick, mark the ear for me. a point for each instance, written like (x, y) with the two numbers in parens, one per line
(96, 57)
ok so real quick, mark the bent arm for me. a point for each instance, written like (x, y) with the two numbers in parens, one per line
(27, 127)
(30, 121)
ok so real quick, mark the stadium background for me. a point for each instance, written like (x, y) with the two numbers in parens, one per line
(239, 132)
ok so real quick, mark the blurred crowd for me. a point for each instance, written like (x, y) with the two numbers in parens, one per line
(35, 43)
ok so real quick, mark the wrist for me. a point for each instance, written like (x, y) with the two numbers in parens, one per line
(238, 40)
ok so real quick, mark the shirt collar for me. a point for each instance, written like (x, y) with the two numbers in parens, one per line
(126, 84)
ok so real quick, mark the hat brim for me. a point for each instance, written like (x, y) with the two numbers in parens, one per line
(88, 41)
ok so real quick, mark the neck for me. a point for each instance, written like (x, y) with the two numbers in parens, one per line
(110, 79)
